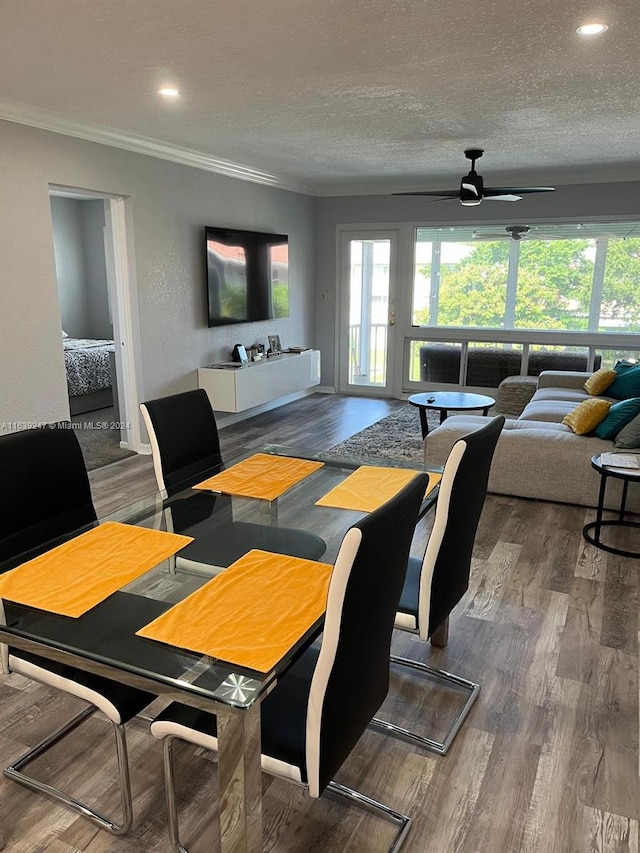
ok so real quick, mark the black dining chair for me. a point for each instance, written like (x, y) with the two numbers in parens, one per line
(46, 500)
(437, 582)
(186, 450)
(317, 712)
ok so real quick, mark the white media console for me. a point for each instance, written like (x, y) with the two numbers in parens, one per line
(242, 388)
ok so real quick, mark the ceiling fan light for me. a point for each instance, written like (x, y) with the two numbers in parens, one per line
(592, 29)
(470, 202)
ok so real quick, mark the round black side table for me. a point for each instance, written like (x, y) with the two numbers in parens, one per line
(627, 475)
(445, 400)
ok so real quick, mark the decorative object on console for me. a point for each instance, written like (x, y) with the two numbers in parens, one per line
(275, 347)
(239, 354)
(587, 415)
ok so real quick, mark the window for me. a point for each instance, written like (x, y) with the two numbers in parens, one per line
(620, 302)
(561, 277)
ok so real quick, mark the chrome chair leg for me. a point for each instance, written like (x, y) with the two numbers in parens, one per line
(402, 821)
(441, 747)
(170, 793)
(13, 771)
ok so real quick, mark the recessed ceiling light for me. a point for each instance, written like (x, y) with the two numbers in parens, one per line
(591, 29)
(169, 92)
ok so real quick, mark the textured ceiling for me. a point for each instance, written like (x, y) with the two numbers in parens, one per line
(345, 95)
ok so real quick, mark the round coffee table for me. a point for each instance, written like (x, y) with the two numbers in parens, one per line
(592, 532)
(447, 400)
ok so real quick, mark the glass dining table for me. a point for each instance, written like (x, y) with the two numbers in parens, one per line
(104, 639)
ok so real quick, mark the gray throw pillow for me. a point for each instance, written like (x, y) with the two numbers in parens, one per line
(629, 435)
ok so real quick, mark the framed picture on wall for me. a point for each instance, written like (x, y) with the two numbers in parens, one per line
(275, 346)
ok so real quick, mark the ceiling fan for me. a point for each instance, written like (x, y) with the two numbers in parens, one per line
(472, 190)
(517, 232)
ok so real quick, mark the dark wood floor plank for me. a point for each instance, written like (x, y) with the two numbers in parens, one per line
(581, 636)
(620, 617)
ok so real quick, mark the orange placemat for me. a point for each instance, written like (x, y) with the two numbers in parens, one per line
(251, 614)
(79, 574)
(261, 476)
(369, 487)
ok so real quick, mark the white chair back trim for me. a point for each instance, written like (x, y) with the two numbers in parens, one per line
(437, 535)
(4, 649)
(68, 685)
(331, 634)
(155, 450)
(406, 621)
(273, 766)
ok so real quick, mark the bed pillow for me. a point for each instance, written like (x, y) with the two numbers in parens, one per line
(620, 414)
(587, 415)
(629, 437)
(64, 334)
(600, 381)
(627, 382)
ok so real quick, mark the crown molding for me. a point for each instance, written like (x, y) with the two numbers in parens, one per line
(46, 120)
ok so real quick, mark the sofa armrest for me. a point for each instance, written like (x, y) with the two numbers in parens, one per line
(563, 379)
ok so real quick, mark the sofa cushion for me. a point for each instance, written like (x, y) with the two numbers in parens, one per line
(627, 382)
(629, 437)
(553, 411)
(620, 414)
(587, 415)
(567, 395)
(548, 426)
(600, 381)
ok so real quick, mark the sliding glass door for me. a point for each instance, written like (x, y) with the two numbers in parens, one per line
(367, 311)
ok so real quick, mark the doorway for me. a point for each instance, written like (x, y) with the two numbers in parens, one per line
(94, 284)
(367, 312)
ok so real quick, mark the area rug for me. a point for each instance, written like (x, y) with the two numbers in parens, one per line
(397, 437)
(100, 443)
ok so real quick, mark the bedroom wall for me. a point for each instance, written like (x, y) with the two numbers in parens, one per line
(99, 321)
(577, 203)
(167, 206)
(69, 260)
(78, 241)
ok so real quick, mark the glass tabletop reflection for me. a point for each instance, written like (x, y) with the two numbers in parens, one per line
(223, 526)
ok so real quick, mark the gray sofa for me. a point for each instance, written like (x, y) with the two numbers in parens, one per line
(537, 456)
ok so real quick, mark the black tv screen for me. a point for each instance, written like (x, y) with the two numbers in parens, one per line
(247, 275)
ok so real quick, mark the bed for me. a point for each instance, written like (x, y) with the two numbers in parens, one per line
(90, 366)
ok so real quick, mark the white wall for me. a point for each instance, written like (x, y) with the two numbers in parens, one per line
(167, 207)
(578, 203)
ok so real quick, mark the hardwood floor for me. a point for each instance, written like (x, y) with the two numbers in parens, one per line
(546, 763)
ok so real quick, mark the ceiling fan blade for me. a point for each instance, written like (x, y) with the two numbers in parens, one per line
(506, 197)
(490, 237)
(493, 191)
(443, 193)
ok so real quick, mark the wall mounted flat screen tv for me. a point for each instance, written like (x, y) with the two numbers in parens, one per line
(247, 276)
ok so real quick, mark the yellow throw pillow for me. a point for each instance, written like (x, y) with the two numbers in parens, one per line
(600, 380)
(587, 415)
